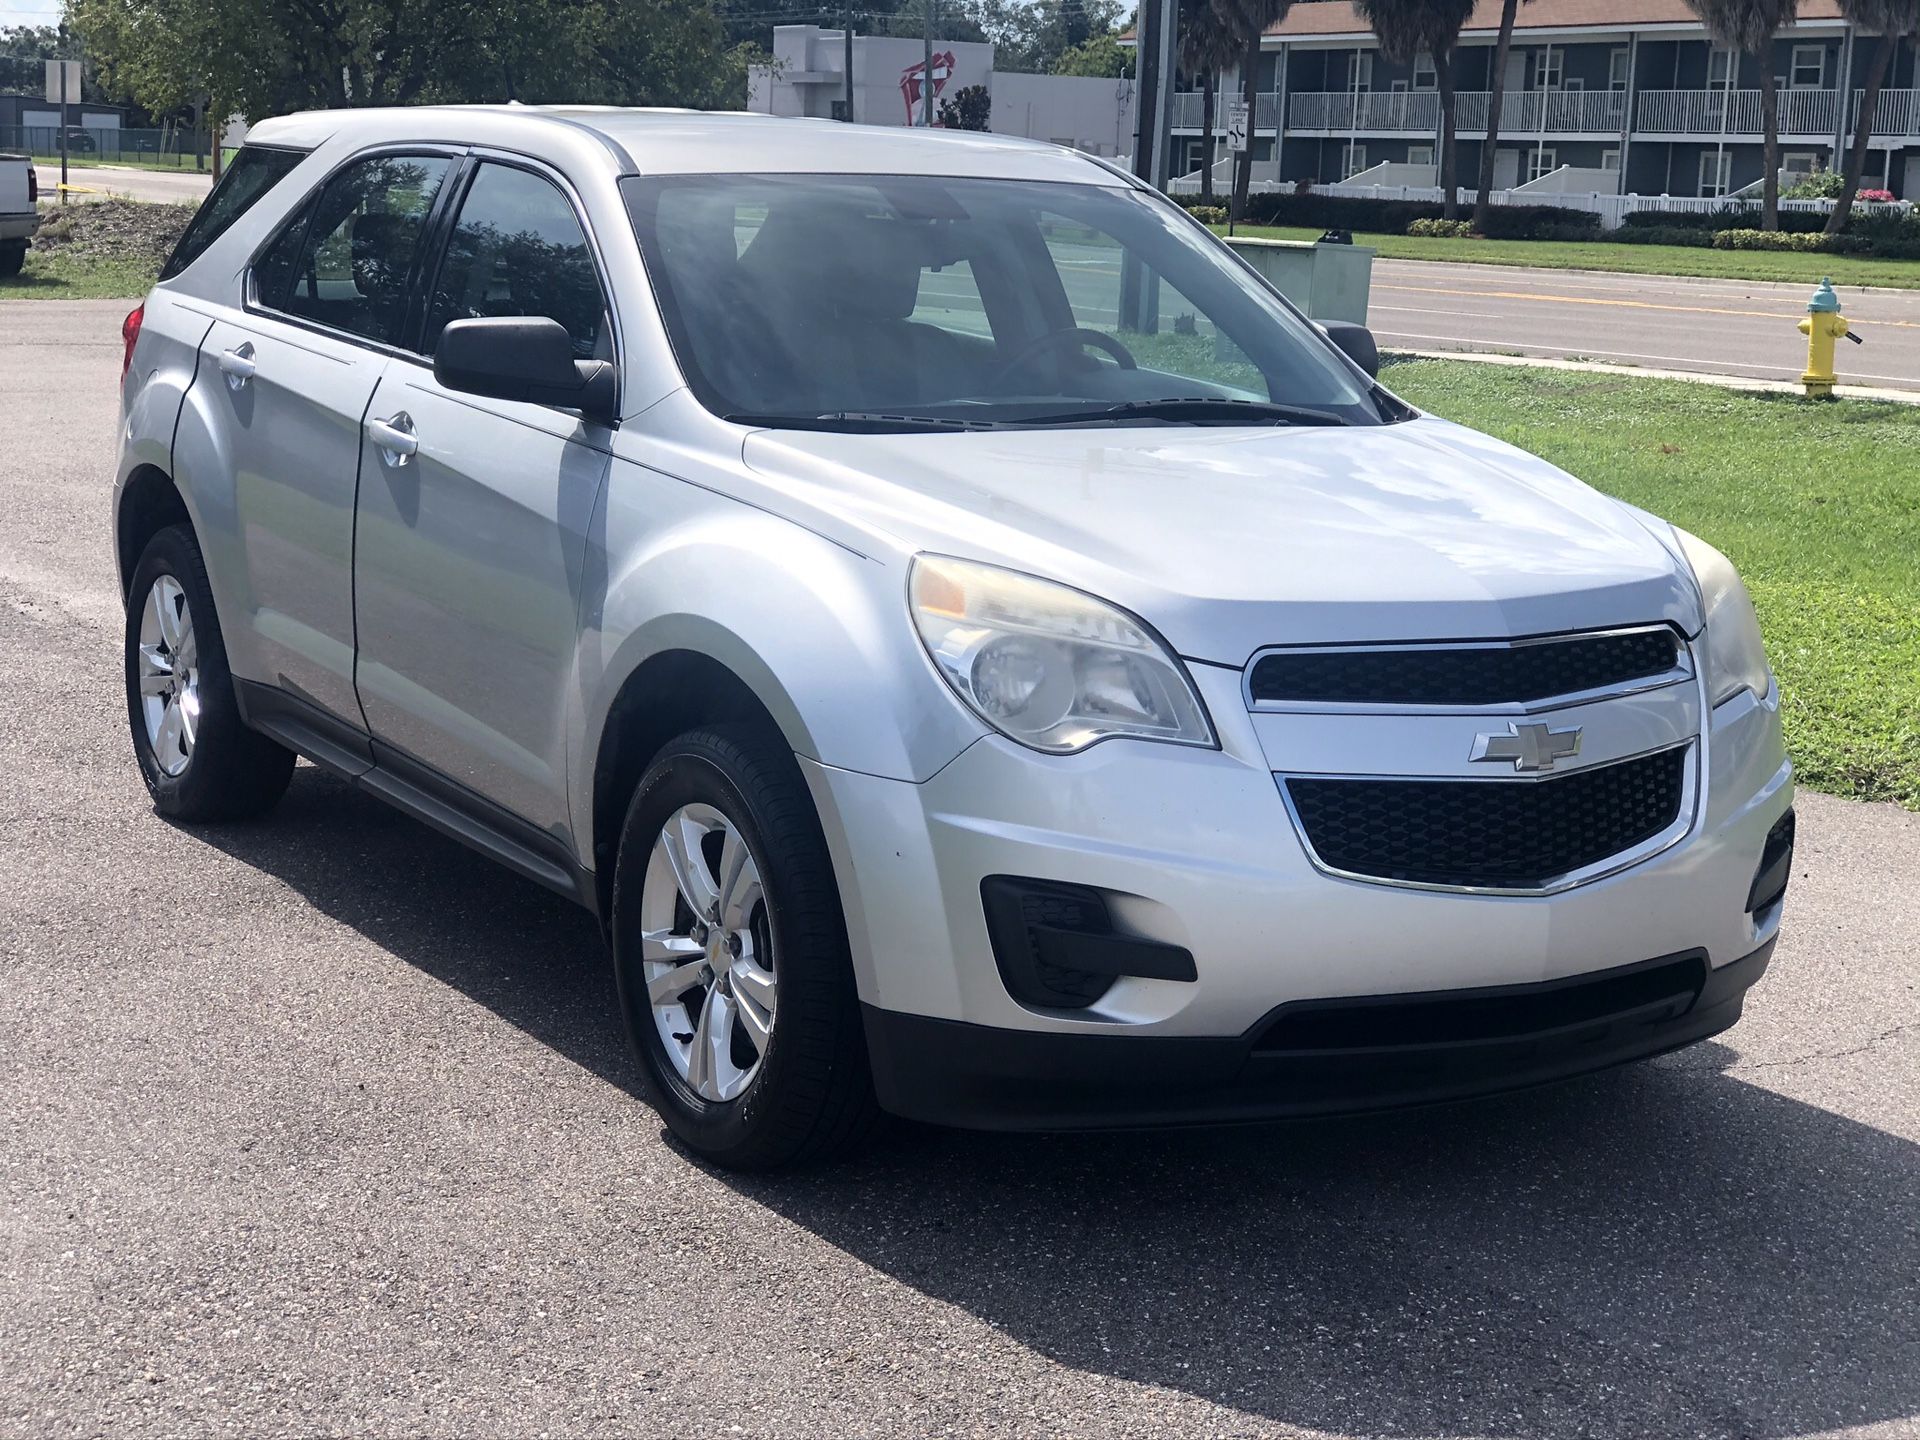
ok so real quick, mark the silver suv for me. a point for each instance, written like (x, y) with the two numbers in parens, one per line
(981, 653)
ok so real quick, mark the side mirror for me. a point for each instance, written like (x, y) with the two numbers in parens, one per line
(1355, 342)
(514, 357)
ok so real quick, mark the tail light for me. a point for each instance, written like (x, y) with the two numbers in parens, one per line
(129, 336)
(33, 184)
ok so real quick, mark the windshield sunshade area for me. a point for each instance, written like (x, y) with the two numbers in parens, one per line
(912, 302)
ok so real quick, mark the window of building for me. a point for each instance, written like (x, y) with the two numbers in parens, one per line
(1549, 68)
(1424, 76)
(1800, 163)
(347, 261)
(1809, 67)
(1360, 70)
(1542, 160)
(1419, 154)
(1353, 159)
(1610, 159)
(1719, 69)
(1618, 63)
(1716, 172)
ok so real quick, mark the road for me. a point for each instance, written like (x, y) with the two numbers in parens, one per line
(322, 1125)
(1721, 327)
(181, 187)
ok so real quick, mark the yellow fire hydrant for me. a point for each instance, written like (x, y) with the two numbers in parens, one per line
(1824, 325)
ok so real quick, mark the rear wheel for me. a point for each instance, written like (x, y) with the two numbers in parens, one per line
(730, 956)
(199, 760)
(12, 256)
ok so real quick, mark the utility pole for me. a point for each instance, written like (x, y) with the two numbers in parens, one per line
(926, 70)
(847, 65)
(63, 132)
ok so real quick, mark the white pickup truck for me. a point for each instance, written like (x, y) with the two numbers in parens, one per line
(19, 214)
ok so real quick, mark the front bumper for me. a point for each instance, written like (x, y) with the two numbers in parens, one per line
(1194, 849)
(1455, 1045)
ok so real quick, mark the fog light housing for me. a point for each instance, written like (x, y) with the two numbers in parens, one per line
(1776, 864)
(1057, 948)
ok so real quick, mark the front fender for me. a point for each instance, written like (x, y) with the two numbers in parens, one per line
(819, 632)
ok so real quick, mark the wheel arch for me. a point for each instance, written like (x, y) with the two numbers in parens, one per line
(148, 503)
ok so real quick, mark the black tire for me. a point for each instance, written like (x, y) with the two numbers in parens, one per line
(232, 773)
(12, 258)
(812, 1097)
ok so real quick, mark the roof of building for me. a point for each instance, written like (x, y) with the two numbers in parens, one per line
(1314, 19)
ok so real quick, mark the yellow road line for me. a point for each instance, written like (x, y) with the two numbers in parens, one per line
(1621, 304)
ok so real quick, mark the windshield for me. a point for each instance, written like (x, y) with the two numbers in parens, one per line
(917, 302)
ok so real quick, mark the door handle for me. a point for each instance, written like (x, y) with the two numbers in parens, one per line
(394, 435)
(238, 365)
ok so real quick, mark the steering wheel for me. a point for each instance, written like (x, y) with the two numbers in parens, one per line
(1079, 337)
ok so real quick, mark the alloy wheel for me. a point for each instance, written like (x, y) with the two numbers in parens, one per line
(169, 675)
(706, 949)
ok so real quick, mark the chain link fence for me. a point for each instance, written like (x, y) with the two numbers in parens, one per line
(173, 148)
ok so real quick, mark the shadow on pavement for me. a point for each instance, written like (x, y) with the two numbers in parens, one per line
(1659, 1250)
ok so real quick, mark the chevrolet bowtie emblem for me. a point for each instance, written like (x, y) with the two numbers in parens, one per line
(1531, 748)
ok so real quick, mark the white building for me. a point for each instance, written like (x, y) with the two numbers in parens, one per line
(808, 78)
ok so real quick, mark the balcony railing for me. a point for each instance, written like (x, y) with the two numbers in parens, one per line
(1897, 113)
(1735, 112)
(1567, 112)
(1189, 110)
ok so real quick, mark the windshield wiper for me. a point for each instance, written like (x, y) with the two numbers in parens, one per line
(1194, 410)
(877, 422)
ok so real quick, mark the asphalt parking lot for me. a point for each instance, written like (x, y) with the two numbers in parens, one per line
(322, 1125)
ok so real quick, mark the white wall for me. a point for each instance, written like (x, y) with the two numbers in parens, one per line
(808, 75)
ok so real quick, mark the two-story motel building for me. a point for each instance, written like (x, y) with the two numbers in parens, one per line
(1630, 87)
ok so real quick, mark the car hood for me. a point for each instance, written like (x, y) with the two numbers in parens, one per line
(1229, 540)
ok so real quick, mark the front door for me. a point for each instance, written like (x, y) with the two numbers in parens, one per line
(284, 386)
(471, 536)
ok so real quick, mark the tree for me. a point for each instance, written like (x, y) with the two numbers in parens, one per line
(1496, 92)
(1406, 28)
(1890, 19)
(1207, 42)
(266, 57)
(1249, 21)
(1747, 27)
(1103, 57)
(968, 109)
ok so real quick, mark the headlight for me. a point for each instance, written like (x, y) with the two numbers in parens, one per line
(1736, 657)
(1049, 666)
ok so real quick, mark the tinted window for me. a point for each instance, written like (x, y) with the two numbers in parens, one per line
(346, 262)
(518, 249)
(963, 299)
(254, 171)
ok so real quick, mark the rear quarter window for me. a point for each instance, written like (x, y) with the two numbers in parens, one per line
(254, 171)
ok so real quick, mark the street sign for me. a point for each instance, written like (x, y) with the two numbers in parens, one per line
(56, 70)
(1237, 127)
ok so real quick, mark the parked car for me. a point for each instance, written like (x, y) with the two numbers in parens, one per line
(981, 653)
(19, 211)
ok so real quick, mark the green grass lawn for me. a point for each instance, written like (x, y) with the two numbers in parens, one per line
(1817, 504)
(1631, 259)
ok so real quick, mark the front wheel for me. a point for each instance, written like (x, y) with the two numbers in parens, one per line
(199, 759)
(730, 956)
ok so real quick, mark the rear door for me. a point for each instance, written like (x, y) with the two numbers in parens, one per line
(288, 381)
(471, 536)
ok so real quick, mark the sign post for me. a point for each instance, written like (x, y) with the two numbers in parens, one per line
(1238, 141)
(63, 80)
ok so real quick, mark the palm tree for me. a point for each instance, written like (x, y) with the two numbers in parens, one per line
(1207, 42)
(1406, 28)
(1496, 92)
(1747, 27)
(1247, 21)
(1891, 19)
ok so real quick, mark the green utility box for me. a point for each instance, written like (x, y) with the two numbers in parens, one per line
(1329, 282)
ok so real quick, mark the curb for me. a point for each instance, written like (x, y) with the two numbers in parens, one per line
(1637, 372)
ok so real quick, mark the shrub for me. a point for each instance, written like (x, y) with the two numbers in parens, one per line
(1873, 196)
(1798, 241)
(1441, 229)
(1539, 222)
(1821, 185)
(1697, 236)
(1208, 214)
